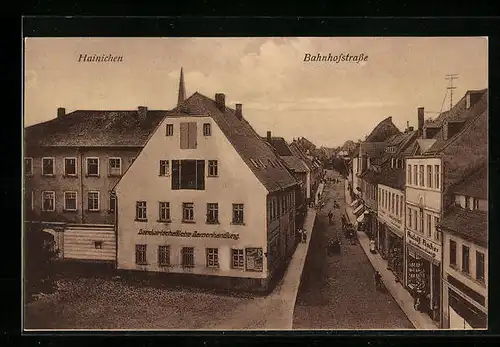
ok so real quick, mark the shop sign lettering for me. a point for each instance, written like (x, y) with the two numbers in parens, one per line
(180, 233)
(424, 245)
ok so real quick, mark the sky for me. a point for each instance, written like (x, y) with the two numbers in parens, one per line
(326, 102)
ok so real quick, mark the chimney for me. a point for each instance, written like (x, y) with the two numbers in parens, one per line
(268, 136)
(420, 113)
(61, 112)
(220, 101)
(239, 113)
(142, 111)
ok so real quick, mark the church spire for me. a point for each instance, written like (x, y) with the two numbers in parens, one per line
(182, 89)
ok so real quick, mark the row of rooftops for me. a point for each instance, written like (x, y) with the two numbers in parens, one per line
(432, 138)
(272, 160)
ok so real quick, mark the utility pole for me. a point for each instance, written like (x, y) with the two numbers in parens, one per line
(450, 78)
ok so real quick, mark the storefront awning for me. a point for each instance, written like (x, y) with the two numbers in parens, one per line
(359, 209)
(361, 218)
(354, 203)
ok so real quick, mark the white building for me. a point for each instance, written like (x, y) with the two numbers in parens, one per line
(450, 145)
(465, 255)
(207, 196)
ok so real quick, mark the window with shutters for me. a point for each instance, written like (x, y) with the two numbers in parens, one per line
(188, 174)
(188, 139)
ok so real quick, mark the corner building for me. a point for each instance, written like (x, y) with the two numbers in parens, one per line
(207, 197)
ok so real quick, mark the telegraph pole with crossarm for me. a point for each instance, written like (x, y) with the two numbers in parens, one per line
(450, 78)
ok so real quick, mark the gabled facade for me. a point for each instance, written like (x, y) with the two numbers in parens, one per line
(465, 254)
(71, 164)
(214, 199)
(435, 164)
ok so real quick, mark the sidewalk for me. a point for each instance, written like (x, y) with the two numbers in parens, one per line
(404, 299)
(275, 311)
(319, 191)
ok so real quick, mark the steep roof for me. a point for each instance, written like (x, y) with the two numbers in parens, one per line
(249, 145)
(296, 151)
(295, 164)
(383, 131)
(372, 149)
(470, 225)
(280, 145)
(475, 185)
(394, 178)
(86, 128)
(459, 113)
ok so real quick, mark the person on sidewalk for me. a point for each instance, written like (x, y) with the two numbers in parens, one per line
(372, 246)
(378, 278)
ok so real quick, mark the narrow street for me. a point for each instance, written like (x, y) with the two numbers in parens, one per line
(338, 291)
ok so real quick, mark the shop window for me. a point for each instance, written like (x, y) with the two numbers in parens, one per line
(187, 255)
(453, 253)
(141, 211)
(188, 174)
(48, 201)
(70, 201)
(187, 212)
(212, 213)
(28, 166)
(465, 259)
(140, 254)
(480, 266)
(213, 169)
(164, 211)
(212, 257)
(48, 166)
(164, 255)
(238, 214)
(254, 259)
(69, 166)
(238, 259)
(92, 166)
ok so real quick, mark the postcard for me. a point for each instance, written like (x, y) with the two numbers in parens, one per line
(277, 183)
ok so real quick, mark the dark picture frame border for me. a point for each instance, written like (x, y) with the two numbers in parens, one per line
(42, 26)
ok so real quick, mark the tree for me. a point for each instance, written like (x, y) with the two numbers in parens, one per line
(39, 256)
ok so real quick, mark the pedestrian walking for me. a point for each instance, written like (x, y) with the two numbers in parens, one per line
(377, 280)
(304, 236)
(372, 246)
(330, 216)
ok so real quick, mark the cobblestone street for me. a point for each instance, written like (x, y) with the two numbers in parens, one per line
(338, 291)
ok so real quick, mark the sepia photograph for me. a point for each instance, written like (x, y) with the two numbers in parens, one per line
(255, 183)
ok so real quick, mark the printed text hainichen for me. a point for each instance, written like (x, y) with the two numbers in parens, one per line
(100, 58)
